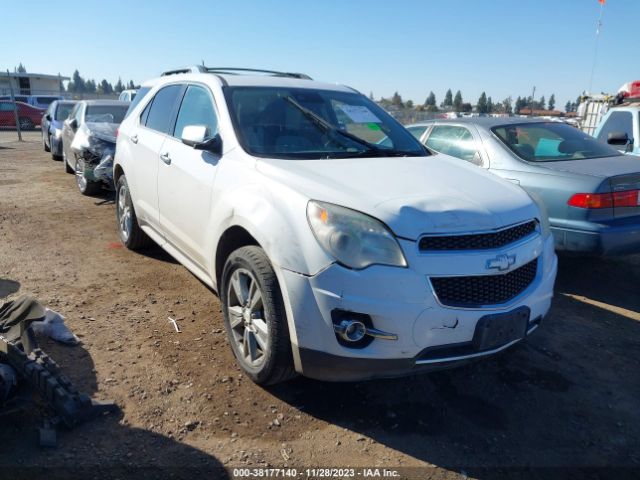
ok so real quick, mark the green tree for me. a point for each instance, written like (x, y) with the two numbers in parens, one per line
(482, 103)
(397, 100)
(448, 99)
(552, 102)
(506, 105)
(490, 106)
(567, 106)
(77, 83)
(431, 100)
(131, 85)
(90, 86)
(119, 86)
(408, 104)
(542, 104)
(20, 68)
(457, 101)
(105, 87)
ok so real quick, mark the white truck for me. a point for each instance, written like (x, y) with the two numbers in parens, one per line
(614, 119)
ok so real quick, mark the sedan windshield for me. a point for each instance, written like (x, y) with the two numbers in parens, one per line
(106, 113)
(63, 110)
(551, 142)
(297, 123)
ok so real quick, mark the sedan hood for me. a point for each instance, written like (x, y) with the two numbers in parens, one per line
(412, 195)
(103, 131)
(597, 167)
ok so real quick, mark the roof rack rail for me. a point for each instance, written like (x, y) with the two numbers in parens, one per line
(234, 71)
(191, 69)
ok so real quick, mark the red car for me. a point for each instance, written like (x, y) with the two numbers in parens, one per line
(28, 116)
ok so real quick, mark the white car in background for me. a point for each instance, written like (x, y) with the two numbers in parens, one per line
(128, 95)
(333, 257)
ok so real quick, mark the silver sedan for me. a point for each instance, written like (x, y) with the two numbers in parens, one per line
(591, 191)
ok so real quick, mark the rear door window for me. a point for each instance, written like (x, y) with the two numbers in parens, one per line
(454, 140)
(617, 122)
(160, 114)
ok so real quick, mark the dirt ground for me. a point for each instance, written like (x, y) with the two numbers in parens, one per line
(564, 400)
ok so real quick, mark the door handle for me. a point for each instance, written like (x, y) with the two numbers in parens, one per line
(166, 158)
(134, 138)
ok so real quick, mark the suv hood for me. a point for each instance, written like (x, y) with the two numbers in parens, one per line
(411, 195)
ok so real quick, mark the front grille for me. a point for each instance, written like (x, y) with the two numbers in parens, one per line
(478, 241)
(482, 290)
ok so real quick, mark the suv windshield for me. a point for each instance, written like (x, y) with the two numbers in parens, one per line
(551, 142)
(106, 113)
(297, 123)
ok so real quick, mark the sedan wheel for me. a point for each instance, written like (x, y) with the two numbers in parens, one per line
(131, 235)
(85, 186)
(25, 123)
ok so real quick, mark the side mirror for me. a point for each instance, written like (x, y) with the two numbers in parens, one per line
(48, 117)
(618, 138)
(196, 136)
(73, 123)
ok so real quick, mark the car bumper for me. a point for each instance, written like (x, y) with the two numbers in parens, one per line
(617, 238)
(398, 301)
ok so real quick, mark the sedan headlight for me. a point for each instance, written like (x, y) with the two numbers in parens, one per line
(544, 216)
(356, 240)
(57, 133)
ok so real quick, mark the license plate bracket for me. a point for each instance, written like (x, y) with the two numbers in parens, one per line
(498, 329)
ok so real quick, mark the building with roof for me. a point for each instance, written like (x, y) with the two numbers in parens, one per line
(30, 83)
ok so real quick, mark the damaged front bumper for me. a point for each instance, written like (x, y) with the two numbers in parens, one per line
(98, 166)
(421, 334)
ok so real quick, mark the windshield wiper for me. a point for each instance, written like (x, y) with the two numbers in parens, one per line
(327, 127)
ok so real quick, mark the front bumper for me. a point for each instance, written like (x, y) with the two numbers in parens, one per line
(618, 237)
(400, 301)
(56, 146)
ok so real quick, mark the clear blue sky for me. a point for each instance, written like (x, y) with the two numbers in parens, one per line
(504, 47)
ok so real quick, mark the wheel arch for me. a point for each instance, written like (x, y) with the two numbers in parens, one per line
(232, 238)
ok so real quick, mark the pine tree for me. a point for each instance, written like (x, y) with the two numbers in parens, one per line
(552, 102)
(131, 85)
(77, 84)
(448, 99)
(408, 104)
(397, 100)
(506, 105)
(490, 106)
(90, 86)
(457, 101)
(119, 86)
(482, 103)
(20, 68)
(542, 104)
(431, 100)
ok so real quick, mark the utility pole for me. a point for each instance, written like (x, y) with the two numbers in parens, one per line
(15, 107)
(533, 96)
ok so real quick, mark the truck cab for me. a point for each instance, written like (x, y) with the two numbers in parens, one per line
(620, 128)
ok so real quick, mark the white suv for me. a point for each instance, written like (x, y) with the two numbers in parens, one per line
(340, 247)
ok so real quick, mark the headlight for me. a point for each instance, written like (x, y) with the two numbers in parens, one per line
(57, 133)
(356, 240)
(544, 216)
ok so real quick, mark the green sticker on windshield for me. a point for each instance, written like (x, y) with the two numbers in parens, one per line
(373, 126)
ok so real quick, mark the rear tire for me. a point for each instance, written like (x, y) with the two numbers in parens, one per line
(25, 123)
(131, 235)
(255, 318)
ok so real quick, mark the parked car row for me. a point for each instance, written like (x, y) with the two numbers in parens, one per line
(342, 245)
(83, 135)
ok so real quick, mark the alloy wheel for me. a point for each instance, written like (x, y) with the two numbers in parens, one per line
(246, 318)
(123, 207)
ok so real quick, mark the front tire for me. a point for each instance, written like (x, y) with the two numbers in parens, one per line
(131, 235)
(255, 318)
(67, 168)
(85, 186)
(46, 147)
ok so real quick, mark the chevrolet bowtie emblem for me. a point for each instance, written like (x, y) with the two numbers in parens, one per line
(501, 262)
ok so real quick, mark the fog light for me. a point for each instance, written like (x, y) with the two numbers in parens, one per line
(352, 330)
